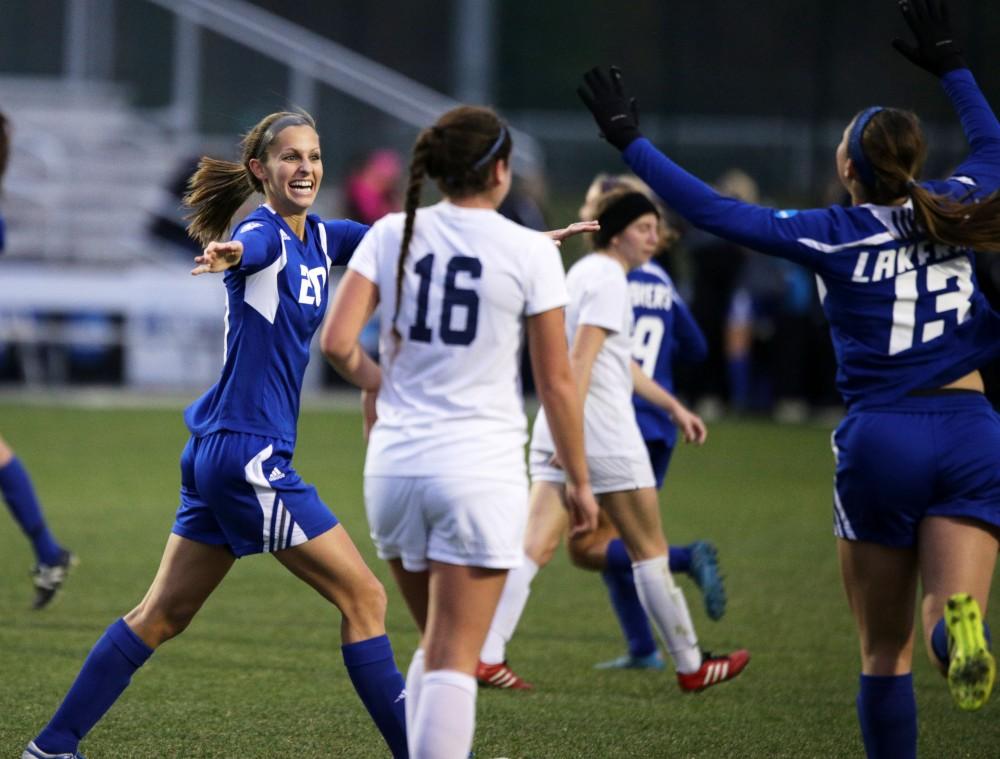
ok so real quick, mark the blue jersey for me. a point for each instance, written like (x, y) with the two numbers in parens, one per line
(904, 313)
(664, 330)
(276, 302)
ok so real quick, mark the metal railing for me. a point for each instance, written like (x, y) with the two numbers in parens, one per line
(316, 59)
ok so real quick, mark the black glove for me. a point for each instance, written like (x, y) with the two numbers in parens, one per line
(615, 112)
(936, 50)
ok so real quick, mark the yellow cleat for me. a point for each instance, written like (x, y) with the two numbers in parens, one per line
(972, 669)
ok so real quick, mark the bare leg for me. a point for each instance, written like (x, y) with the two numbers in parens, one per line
(881, 585)
(636, 515)
(331, 565)
(589, 550)
(547, 522)
(956, 556)
(189, 572)
(462, 601)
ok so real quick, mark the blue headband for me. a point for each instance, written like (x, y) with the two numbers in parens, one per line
(856, 152)
(492, 151)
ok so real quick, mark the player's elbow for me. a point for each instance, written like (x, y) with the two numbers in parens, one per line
(337, 346)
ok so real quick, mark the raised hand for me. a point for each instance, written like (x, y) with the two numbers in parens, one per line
(576, 228)
(615, 112)
(218, 256)
(935, 50)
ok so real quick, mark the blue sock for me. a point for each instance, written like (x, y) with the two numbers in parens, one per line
(887, 712)
(939, 640)
(739, 382)
(105, 674)
(617, 559)
(23, 504)
(625, 601)
(381, 687)
(680, 559)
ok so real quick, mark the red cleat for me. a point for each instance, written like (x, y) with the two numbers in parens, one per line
(714, 670)
(500, 676)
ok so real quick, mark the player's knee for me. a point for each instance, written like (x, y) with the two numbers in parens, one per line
(587, 553)
(158, 624)
(365, 605)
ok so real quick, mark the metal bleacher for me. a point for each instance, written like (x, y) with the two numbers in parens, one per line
(85, 171)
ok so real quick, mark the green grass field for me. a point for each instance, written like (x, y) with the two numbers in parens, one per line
(259, 673)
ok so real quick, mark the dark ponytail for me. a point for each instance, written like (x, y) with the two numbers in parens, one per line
(459, 153)
(894, 146)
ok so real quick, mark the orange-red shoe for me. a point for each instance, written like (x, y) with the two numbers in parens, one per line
(714, 670)
(500, 676)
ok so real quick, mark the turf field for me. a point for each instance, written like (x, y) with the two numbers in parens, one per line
(258, 673)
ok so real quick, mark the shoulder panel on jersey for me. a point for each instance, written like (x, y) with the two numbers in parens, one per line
(655, 270)
(321, 231)
(261, 291)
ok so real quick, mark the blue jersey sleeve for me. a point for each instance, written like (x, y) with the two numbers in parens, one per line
(3, 235)
(343, 237)
(260, 245)
(982, 130)
(690, 345)
(800, 236)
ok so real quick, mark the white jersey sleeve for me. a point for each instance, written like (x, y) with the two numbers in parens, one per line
(546, 285)
(603, 299)
(365, 258)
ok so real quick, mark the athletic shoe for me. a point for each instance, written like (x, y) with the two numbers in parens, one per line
(714, 670)
(33, 752)
(705, 573)
(48, 579)
(972, 669)
(500, 676)
(649, 661)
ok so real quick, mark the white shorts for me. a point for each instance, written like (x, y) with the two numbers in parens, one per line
(608, 474)
(455, 520)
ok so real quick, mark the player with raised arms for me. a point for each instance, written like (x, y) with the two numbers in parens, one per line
(240, 494)
(917, 486)
(446, 488)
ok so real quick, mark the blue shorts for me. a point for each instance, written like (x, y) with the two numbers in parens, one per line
(659, 457)
(240, 491)
(936, 455)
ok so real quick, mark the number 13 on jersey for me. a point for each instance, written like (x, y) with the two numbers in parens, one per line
(938, 292)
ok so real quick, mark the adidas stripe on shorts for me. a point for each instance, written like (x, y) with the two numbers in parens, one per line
(240, 490)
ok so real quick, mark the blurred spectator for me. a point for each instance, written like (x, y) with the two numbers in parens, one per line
(169, 224)
(374, 189)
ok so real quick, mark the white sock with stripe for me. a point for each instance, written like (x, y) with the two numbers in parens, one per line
(446, 716)
(664, 603)
(414, 676)
(514, 598)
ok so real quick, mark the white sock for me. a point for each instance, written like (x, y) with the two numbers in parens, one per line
(664, 603)
(514, 598)
(414, 675)
(446, 716)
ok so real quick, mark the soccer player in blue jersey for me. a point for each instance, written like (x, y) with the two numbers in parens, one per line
(917, 486)
(240, 494)
(52, 561)
(664, 332)
(446, 487)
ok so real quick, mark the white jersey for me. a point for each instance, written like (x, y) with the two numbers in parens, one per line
(599, 296)
(450, 401)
